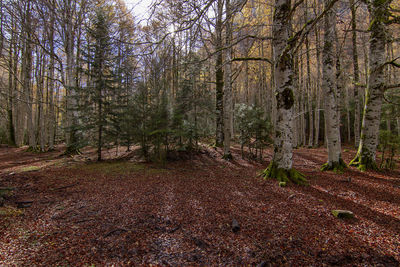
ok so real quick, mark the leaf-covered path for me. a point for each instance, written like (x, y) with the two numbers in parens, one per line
(129, 213)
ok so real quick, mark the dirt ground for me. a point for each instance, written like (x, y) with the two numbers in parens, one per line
(73, 212)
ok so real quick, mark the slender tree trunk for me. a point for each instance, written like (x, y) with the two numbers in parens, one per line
(366, 154)
(69, 46)
(356, 74)
(329, 83)
(27, 78)
(219, 78)
(228, 83)
(308, 86)
(10, 103)
(50, 86)
(318, 88)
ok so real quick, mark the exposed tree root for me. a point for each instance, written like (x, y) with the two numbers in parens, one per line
(33, 149)
(337, 167)
(364, 163)
(283, 175)
(227, 156)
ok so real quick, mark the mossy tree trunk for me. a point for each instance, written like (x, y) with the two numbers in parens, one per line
(329, 84)
(366, 154)
(281, 166)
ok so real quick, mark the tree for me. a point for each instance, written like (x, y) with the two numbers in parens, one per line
(366, 155)
(281, 165)
(228, 82)
(100, 90)
(335, 161)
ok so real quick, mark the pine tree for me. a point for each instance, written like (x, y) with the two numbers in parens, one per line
(97, 99)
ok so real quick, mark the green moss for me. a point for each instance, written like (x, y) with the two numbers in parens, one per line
(28, 169)
(337, 167)
(364, 163)
(282, 184)
(343, 214)
(283, 175)
(8, 211)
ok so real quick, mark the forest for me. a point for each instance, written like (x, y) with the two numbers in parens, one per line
(201, 132)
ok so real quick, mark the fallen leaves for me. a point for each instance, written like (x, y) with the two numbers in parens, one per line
(126, 213)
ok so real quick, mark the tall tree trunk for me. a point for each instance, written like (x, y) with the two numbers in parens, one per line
(27, 77)
(308, 86)
(356, 74)
(219, 77)
(51, 124)
(318, 88)
(366, 154)
(329, 83)
(228, 82)
(281, 164)
(69, 46)
(10, 102)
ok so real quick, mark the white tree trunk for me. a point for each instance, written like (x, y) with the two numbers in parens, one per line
(330, 93)
(365, 158)
(283, 144)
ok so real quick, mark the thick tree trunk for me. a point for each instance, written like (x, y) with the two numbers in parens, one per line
(228, 83)
(281, 165)
(366, 154)
(329, 84)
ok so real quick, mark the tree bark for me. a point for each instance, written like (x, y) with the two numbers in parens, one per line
(318, 88)
(366, 154)
(282, 161)
(219, 78)
(329, 83)
(27, 77)
(228, 82)
(356, 74)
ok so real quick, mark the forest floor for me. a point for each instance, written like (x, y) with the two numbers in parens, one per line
(76, 213)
